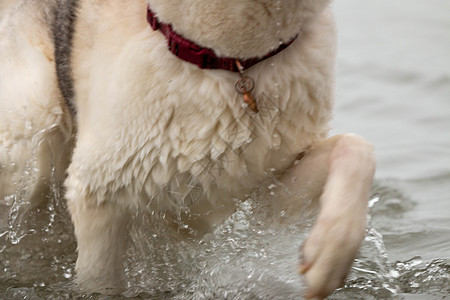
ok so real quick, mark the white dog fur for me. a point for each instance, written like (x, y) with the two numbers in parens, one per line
(150, 128)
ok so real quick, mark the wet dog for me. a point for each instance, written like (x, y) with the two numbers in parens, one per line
(178, 107)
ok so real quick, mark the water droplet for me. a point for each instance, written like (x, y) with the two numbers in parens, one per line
(394, 273)
(68, 274)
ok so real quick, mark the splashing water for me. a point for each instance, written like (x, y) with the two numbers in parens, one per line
(253, 255)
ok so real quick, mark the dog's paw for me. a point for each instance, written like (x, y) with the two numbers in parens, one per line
(329, 251)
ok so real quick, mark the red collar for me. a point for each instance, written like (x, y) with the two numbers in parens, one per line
(204, 58)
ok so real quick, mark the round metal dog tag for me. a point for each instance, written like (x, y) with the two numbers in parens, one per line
(244, 85)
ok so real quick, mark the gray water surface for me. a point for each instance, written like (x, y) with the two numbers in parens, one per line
(394, 89)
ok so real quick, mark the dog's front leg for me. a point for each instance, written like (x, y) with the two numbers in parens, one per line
(101, 232)
(339, 171)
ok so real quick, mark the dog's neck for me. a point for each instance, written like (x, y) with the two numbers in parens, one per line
(204, 58)
(241, 29)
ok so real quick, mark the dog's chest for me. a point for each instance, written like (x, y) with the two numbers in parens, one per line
(200, 141)
(167, 132)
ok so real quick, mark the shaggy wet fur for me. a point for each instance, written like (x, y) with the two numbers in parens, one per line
(152, 131)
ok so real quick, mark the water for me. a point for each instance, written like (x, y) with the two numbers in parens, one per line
(394, 89)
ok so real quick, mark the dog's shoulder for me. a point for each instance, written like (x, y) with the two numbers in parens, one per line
(27, 27)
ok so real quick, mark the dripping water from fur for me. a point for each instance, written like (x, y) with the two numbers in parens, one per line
(251, 255)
